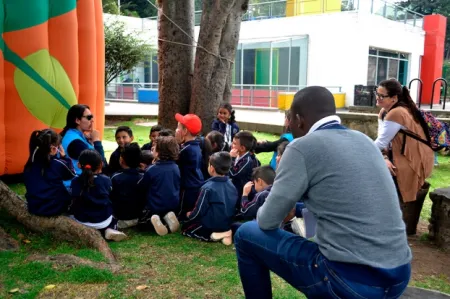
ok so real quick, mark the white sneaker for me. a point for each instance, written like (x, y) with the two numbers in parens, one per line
(160, 228)
(298, 227)
(121, 224)
(172, 222)
(225, 237)
(115, 235)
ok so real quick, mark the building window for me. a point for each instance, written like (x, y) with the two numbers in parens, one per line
(385, 64)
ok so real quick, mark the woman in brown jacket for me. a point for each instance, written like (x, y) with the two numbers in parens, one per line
(409, 160)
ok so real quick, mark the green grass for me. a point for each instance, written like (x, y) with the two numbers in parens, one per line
(171, 266)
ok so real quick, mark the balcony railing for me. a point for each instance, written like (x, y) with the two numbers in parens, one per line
(277, 9)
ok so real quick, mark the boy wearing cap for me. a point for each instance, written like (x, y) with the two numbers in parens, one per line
(189, 161)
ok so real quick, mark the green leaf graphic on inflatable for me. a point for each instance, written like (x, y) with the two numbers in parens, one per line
(41, 103)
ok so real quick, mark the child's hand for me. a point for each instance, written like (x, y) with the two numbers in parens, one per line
(234, 153)
(53, 150)
(62, 153)
(95, 135)
(188, 214)
(220, 118)
(247, 189)
(289, 216)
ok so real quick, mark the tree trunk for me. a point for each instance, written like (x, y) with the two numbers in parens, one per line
(61, 227)
(175, 61)
(216, 50)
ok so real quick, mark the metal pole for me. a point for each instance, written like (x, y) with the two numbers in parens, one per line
(289, 65)
(270, 74)
(242, 71)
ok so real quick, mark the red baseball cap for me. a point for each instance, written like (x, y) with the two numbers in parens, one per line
(191, 121)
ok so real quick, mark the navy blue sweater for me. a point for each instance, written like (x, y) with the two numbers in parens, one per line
(92, 204)
(46, 194)
(190, 163)
(125, 198)
(160, 187)
(147, 147)
(241, 171)
(218, 125)
(215, 207)
(114, 161)
(249, 208)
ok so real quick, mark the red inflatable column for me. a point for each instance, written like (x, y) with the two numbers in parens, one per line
(433, 58)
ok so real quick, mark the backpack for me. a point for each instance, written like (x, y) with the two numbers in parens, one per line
(439, 132)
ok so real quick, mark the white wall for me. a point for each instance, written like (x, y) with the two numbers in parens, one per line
(338, 43)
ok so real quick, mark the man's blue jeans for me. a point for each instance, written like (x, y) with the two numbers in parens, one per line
(300, 263)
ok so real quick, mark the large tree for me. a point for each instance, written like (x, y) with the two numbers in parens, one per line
(214, 58)
(175, 58)
(123, 50)
(428, 7)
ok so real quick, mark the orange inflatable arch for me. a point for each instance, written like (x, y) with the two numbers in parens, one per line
(52, 56)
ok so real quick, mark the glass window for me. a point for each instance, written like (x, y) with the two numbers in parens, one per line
(388, 54)
(372, 71)
(393, 69)
(237, 68)
(382, 69)
(295, 66)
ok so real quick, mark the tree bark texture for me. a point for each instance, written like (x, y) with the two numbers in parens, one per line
(215, 54)
(439, 227)
(61, 227)
(175, 61)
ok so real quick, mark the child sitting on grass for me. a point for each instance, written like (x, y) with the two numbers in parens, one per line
(212, 216)
(160, 187)
(90, 191)
(154, 133)
(124, 196)
(46, 169)
(124, 136)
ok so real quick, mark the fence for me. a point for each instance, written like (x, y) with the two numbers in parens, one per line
(242, 94)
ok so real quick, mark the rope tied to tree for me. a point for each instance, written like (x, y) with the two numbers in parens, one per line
(187, 34)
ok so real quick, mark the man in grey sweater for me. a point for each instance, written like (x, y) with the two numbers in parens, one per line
(360, 249)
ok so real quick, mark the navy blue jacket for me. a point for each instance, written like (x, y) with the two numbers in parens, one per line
(124, 196)
(114, 161)
(249, 208)
(218, 125)
(46, 194)
(92, 204)
(215, 207)
(160, 187)
(241, 171)
(190, 163)
(147, 147)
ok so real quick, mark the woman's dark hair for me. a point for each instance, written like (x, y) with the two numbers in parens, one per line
(166, 133)
(230, 110)
(125, 129)
(217, 141)
(394, 88)
(75, 112)
(221, 161)
(131, 155)
(90, 161)
(167, 148)
(282, 147)
(40, 147)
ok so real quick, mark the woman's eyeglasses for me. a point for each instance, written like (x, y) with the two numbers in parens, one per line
(380, 96)
(88, 117)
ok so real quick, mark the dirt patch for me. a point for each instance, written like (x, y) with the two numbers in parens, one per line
(77, 291)
(7, 242)
(67, 261)
(428, 259)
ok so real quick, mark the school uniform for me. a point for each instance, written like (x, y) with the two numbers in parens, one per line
(147, 147)
(126, 202)
(160, 189)
(241, 172)
(228, 130)
(214, 209)
(46, 194)
(249, 208)
(91, 205)
(114, 161)
(190, 164)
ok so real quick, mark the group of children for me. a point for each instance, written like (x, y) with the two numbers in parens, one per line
(205, 183)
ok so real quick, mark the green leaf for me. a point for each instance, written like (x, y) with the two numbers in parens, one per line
(44, 103)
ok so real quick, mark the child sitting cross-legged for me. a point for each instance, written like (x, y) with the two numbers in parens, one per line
(160, 187)
(214, 210)
(90, 191)
(127, 207)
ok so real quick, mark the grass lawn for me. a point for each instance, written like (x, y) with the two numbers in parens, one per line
(171, 267)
